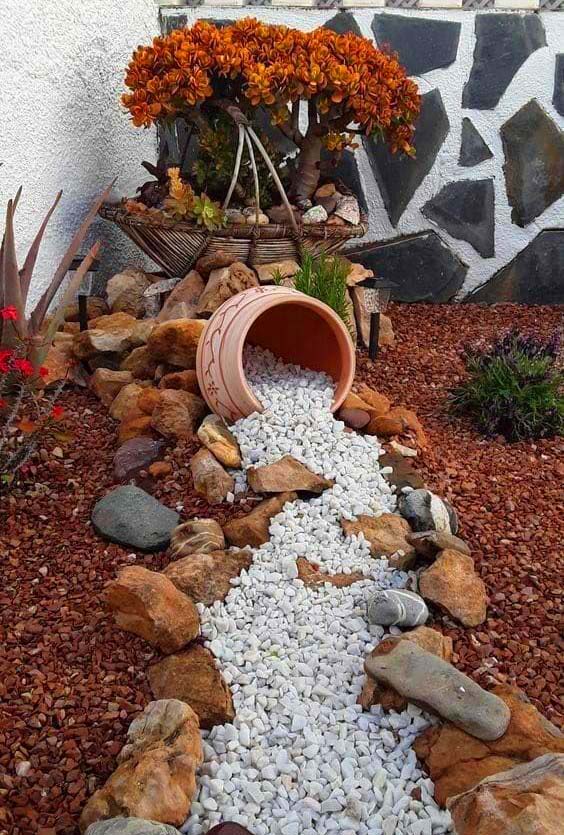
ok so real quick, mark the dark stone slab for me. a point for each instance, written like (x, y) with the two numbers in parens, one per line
(503, 44)
(342, 23)
(535, 276)
(422, 266)
(534, 162)
(558, 95)
(473, 149)
(131, 517)
(465, 209)
(345, 169)
(400, 176)
(421, 44)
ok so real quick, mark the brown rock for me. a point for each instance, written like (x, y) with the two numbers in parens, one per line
(215, 435)
(193, 678)
(279, 214)
(60, 361)
(160, 469)
(410, 422)
(135, 455)
(357, 272)
(334, 220)
(140, 363)
(386, 535)
(210, 479)
(206, 577)
(353, 401)
(253, 529)
(95, 306)
(183, 300)
(115, 333)
(384, 426)
(284, 475)
(176, 341)
(125, 292)
(379, 403)
(184, 380)
(214, 261)
(286, 269)
(149, 604)
(156, 777)
(106, 383)
(124, 405)
(177, 413)
(386, 336)
(452, 584)
(526, 799)
(457, 761)
(223, 284)
(148, 400)
(403, 473)
(355, 418)
(311, 575)
(429, 543)
(326, 190)
(135, 428)
(198, 536)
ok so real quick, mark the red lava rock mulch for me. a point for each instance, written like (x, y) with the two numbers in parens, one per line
(70, 683)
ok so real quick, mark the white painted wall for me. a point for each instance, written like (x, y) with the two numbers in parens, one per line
(62, 124)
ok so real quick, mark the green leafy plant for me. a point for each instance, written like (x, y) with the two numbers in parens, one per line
(514, 387)
(325, 278)
(208, 213)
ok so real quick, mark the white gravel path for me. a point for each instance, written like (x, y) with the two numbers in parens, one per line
(301, 758)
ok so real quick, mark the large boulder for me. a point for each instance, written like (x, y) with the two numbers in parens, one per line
(453, 585)
(193, 677)
(215, 435)
(149, 604)
(131, 517)
(135, 455)
(125, 292)
(176, 413)
(224, 283)
(527, 800)
(386, 535)
(286, 474)
(156, 776)
(210, 479)
(253, 528)
(206, 578)
(176, 342)
(182, 302)
(456, 761)
(433, 684)
(106, 383)
(197, 536)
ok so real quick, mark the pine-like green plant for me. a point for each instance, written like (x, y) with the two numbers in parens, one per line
(325, 278)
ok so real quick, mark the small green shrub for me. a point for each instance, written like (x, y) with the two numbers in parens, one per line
(514, 388)
(325, 278)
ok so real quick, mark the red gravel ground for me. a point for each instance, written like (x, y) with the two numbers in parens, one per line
(70, 682)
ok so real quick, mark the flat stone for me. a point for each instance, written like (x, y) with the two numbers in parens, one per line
(452, 584)
(503, 44)
(312, 575)
(148, 604)
(112, 334)
(422, 44)
(429, 543)
(465, 209)
(284, 269)
(558, 95)
(284, 475)
(197, 536)
(422, 266)
(253, 528)
(215, 435)
(342, 23)
(348, 209)
(193, 677)
(398, 175)
(397, 607)
(534, 162)
(534, 276)
(131, 517)
(130, 826)
(426, 511)
(386, 535)
(182, 302)
(403, 474)
(136, 455)
(473, 149)
(206, 578)
(433, 684)
(210, 479)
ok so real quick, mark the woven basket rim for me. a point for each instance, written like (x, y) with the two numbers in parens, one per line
(118, 213)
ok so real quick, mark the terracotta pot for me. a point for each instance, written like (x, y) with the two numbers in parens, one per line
(293, 326)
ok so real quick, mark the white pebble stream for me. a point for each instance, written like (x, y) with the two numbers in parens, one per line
(301, 758)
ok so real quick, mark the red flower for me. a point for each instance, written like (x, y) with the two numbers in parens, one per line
(43, 372)
(3, 404)
(9, 312)
(5, 357)
(57, 412)
(24, 367)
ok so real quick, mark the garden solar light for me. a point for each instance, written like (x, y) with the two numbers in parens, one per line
(377, 295)
(85, 288)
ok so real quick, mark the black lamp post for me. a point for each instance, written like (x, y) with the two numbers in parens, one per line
(376, 297)
(84, 290)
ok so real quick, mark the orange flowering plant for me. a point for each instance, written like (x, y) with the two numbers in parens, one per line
(319, 88)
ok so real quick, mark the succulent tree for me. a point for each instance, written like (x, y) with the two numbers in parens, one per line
(319, 88)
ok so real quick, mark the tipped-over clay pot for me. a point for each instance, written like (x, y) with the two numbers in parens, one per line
(295, 327)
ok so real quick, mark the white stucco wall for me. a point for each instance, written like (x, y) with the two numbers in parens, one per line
(62, 125)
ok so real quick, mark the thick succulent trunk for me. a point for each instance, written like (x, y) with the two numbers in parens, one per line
(306, 176)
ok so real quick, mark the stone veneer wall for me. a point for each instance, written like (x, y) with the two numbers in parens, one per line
(479, 214)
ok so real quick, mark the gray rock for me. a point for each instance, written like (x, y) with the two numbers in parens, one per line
(130, 826)
(342, 23)
(503, 44)
(558, 95)
(535, 276)
(422, 266)
(428, 681)
(135, 455)
(421, 44)
(534, 162)
(131, 517)
(398, 175)
(473, 149)
(397, 607)
(465, 209)
(316, 214)
(429, 543)
(425, 512)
